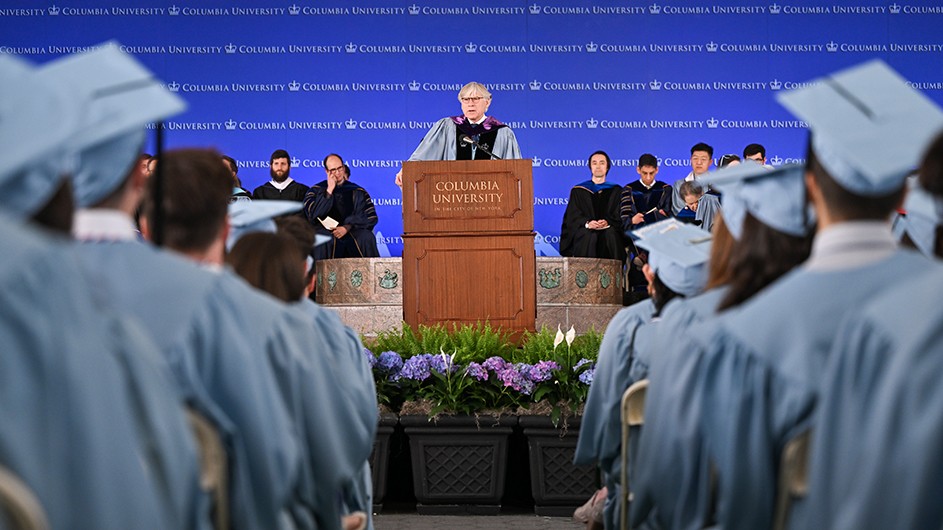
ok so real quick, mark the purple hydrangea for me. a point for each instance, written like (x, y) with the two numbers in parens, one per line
(495, 364)
(478, 371)
(389, 362)
(587, 376)
(542, 371)
(441, 363)
(517, 377)
(417, 368)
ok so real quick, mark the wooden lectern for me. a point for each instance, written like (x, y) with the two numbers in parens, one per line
(468, 243)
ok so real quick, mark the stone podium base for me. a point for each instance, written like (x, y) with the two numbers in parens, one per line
(368, 292)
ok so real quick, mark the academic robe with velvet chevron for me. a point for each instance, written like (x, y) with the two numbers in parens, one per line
(590, 201)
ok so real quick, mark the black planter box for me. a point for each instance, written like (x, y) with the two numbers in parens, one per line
(380, 458)
(558, 486)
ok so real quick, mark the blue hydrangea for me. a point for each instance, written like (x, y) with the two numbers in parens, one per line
(587, 376)
(389, 362)
(517, 377)
(441, 363)
(542, 371)
(495, 364)
(417, 368)
(582, 362)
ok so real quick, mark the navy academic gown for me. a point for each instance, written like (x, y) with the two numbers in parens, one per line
(875, 456)
(90, 421)
(351, 206)
(590, 201)
(762, 363)
(636, 198)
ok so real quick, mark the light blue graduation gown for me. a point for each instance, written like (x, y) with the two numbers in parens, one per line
(762, 369)
(439, 143)
(666, 465)
(875, 457)
(600, 439)
(91, 426)
(707, 209)
(344, 354)
(201, 323)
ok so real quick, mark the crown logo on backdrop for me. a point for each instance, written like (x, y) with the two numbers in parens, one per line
(351, 124)
(351, 47)
(654, 9)
(294, 9)
(295, 161)
(535, 85)
(471, 47)
(534, 9)
(774, 9)
(775, 84)
(294, 86)
(174, 86)
(592, 123)
(712, 46)
(775, 160)
(231, 124)
(713, 123)
(173, 10)
(230, 48)
(54, 10)
(414, 9)
(538, 161)
(591, 47)
(832, 46)
(894, 8)
(654, 84)
(414, 86)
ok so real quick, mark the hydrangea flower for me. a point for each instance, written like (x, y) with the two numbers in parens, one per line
(477, 371)
(542, 371)
(587, 376)
(495, 364)
(441, 363)
(583, 361)
(517, 377)
(390, 362)
(371, 359)
(417, 368)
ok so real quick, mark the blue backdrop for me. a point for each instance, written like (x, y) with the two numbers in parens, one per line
(367, 79)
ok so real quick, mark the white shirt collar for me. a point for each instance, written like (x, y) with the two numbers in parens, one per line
(646, 186)
(479, 122)
(850, 245)
(101, 224)
(280, 186)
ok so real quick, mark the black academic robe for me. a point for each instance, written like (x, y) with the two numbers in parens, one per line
(351, 206)
(589, 201)
(637, 198)
(295, 191)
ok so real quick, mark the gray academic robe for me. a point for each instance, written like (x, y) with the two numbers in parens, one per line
(875, 456)
(761, 372)
(89, 417)
(439, 143)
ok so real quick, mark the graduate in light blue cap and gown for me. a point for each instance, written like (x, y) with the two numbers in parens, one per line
(188, 310)
(920, 224)
(335, 437)
(677, 266)
(761, 364)
(756, 240)
(875, 455)
(91, 420)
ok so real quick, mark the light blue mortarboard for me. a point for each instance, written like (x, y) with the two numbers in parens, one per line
(124, 97)
(36, 120)
(774, 196)
(256, 216)
(678, 253)
(924, 214)
(869, 128)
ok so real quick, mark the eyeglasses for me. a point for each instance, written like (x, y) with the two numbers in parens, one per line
(334, 169)
(474, 99)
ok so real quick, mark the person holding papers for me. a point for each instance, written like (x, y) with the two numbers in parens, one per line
(338, 207)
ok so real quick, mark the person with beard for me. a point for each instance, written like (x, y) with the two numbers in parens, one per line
(282, 187)
(592, 215)
(444, 141)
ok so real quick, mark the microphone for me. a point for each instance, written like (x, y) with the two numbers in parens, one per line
(469, 140)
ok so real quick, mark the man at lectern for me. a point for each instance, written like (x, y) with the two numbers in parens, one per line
(470, 136)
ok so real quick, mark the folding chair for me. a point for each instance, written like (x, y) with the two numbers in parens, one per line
(20, 505)
(633, 413)
(793, 476)
(214, 467)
